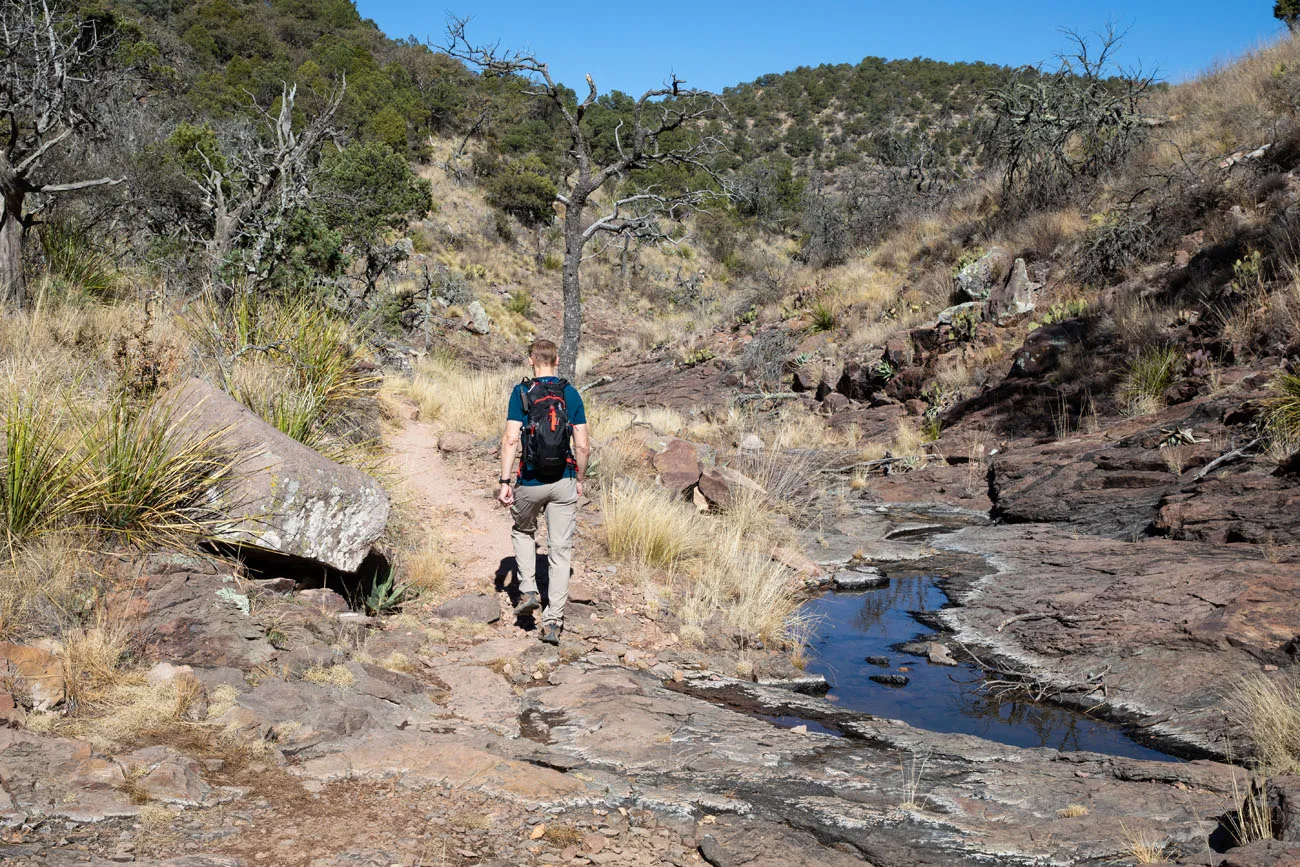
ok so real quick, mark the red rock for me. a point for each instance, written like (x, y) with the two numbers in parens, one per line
(678, 465)
(324, 599)
(37, 674)
(721, 485)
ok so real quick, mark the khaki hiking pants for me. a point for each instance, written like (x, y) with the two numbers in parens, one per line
(560, 500)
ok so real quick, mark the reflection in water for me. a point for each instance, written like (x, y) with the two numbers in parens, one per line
(854, 626)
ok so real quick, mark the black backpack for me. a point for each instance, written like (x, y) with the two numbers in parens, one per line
(546, 432)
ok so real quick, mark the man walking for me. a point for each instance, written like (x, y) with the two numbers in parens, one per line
(544, 455)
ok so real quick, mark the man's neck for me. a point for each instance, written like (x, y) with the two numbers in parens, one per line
(540, 372)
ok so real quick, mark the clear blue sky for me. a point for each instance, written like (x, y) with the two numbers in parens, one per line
(716, 43)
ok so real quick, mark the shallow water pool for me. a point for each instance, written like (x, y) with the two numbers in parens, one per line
(854, 626)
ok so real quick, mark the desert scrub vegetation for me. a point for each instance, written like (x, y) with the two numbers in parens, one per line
(295, 363)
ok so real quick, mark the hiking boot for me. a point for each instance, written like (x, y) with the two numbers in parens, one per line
(528, 603)
(551, 633)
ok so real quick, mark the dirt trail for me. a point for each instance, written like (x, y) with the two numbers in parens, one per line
(454, 495)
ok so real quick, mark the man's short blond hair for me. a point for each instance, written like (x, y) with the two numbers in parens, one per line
(544, 353)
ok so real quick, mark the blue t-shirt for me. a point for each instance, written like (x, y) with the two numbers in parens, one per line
(577, 415)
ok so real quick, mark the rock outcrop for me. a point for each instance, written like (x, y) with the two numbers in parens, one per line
(282, 497)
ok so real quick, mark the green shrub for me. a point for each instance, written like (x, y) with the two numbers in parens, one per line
(520, 302)
(1142, 390)
(74, 264)
(699, 356)
(552, 262)
(294, 363)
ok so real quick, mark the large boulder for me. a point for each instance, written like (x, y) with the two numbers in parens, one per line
(977, 280)
(1014, 298)
(285, 497)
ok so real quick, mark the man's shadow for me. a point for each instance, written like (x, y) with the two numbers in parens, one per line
(507, 579)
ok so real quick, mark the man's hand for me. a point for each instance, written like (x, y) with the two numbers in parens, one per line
(579, 487)
(506, 495)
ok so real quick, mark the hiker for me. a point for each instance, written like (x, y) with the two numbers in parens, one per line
(546, 431)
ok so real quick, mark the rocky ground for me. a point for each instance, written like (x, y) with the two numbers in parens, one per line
(450, 736)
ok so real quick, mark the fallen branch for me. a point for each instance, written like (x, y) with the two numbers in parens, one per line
(879, 462)
(780, 395)
(1235, 454)
(600, 380)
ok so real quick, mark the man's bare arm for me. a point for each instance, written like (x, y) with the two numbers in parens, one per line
(581, 449)
(509, 454)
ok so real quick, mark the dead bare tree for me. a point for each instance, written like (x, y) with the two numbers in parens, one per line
(1052, 130)
(262, 180)
(637, 214)
(56, 82)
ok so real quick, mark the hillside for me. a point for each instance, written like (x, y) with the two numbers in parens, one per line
(943, 505)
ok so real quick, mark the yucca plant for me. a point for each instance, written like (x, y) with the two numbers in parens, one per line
(824, 317)
(150, 482)
(41, 486)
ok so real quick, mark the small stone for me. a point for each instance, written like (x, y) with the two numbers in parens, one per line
(454, 442)
(891, 680)
(276, 586)
(800, 729)
(581, 592)
(752, 443)
(324, 599)
(1270, 668)
(594, 843)
(537, 832)
(882, 661)
(475, 607)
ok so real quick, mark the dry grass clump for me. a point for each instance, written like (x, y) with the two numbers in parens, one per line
(462, 399)
(1267, 709)
(110, 700)
(427, 568)
(1282, 420)
(1073, 811)
(757, 595)
(646, 525)
(44, 585)
(1145, 846)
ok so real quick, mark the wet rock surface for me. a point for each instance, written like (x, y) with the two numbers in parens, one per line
(1153, 631)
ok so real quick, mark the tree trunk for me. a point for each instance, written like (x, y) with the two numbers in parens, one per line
(573, 244)
(13, 284)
